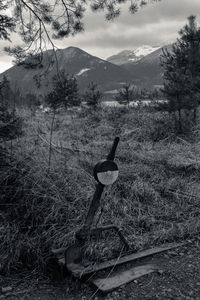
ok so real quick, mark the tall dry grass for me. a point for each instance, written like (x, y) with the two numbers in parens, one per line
(156, 198)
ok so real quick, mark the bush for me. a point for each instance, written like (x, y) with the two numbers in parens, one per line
(37, 209)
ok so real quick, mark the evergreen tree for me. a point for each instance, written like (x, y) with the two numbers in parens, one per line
(155, 94)
(32, 102)
(125, 95)
(190, 41)
(144, 94)
(5, 91)
(93, 95)
(10, 124)
(175, 83)
(182, 72)
(65, 92)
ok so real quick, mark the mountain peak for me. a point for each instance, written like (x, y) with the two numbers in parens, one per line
(134, 55)
(144, 50)
(71, 60)
(72, 51)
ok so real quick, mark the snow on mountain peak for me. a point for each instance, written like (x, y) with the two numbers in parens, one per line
(134, 55)
(144, 50)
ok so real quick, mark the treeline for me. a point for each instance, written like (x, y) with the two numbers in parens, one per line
(64, 94)
(129, 93)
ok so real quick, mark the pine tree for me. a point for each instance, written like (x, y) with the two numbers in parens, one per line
(175, 83)
(32, 102)
(125, 95)
(190, 40)
(10, 124)
(182, 72)
(93, 95)
(64, 93)
(5, 91)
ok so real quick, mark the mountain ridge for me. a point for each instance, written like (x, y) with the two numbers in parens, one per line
(145, 71)
(75, 61)
(134, 55)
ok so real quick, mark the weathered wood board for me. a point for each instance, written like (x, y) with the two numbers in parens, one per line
(79, 270)
(112, 282)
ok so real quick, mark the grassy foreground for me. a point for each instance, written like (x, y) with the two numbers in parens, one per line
(155, 199)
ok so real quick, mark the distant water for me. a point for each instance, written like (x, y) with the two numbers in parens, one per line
(114, 103)
(132, 103)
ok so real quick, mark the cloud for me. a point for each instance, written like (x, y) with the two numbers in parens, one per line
(155, 24)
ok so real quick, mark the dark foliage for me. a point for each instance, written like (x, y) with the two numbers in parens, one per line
(65, 92)
(182, 73)
(7, 23)
(10, 124)
(125, 95)
(36, 19)
(93, 95)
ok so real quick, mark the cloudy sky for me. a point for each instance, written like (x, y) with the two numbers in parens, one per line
(155, 24)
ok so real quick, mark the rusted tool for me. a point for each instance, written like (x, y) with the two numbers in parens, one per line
(106, 173)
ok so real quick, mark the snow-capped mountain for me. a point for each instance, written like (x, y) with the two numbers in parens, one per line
(147, 72)
(134, 55)
(132, 66)
(144, 50)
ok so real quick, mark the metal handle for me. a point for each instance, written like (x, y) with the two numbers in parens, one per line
(94, 205)
(111, 155)
(99, 190)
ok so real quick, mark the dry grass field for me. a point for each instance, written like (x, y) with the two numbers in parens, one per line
(46, 189)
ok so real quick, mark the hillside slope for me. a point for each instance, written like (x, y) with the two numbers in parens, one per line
(72, 60)
(147, 72)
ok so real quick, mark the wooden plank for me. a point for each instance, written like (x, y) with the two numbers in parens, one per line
(79, 270)
(61, 261)
(59, 251)
(110, 283)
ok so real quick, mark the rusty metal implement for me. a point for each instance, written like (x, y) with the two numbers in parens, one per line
(105, 173)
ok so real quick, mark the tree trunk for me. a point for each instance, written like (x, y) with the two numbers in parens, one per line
(50, 141)
(195, 115)
(180, 129)
(128, 103)
(174, 117)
